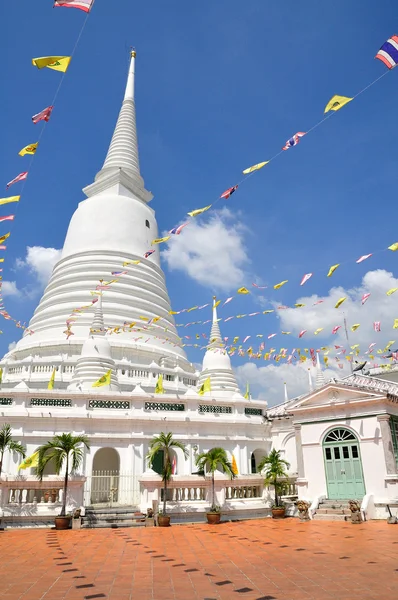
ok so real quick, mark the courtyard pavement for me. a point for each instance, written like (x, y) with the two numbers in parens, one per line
(252, 560)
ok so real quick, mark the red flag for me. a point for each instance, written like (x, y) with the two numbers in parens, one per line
(43, 115)
(84, 5)
(9, 218)
(229, 192)
(19, 177)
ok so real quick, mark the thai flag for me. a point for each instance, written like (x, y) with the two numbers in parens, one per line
(293, 141)
(177, 230)
(148, 254)
(84, 5)
(388, 53)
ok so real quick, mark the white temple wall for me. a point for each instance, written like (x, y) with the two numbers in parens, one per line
(367, 431)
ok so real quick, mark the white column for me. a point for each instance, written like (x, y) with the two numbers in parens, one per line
(386, 438)
(299, 452)
(244, 461)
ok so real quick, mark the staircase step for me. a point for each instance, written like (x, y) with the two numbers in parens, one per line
(331, 517)
(104, 524)
(333, 511)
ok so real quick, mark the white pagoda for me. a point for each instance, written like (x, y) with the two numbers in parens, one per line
(114, 226)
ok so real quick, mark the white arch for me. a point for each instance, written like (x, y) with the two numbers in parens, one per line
(338, 426)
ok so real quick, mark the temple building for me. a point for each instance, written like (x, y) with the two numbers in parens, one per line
(340, 439)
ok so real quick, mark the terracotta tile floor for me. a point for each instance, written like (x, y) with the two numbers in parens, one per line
(254, 560)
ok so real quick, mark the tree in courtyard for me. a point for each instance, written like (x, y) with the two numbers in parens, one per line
(8, 444)
(208, 462)
(274, 468)
(62, 449)
(163, 444)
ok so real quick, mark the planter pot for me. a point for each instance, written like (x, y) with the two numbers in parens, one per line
(62, 522)
(278, 513)
(213, 518)
(164, 520)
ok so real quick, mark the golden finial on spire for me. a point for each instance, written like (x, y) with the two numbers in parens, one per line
(133, 53)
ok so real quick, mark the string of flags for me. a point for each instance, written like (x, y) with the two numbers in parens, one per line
(56, 63)
(388, 54)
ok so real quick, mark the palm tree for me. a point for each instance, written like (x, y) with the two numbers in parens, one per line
(62, 448)
(274, 468)
(7, 443)
(164, 442)
(209, 462)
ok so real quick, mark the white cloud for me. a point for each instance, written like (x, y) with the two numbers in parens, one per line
(267, 382)
(40, 262)
(11, 346)
(379, 307)
(9, 288)
(211, 252)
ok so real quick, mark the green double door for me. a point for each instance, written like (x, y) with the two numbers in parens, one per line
(343, 466)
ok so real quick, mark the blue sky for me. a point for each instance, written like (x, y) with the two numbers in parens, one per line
(220, 86)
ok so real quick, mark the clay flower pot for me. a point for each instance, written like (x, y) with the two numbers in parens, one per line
(62, 522)
(213, 518)
(164, 520)
(278, 513)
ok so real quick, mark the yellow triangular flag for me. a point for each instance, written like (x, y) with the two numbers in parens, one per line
(299, 305)
(395, 326)
(267, 312)
(131, 262)
(1, 375)
(279, 285)
(4, 237)
(234, 466)
(243, 290)
(332, 269)
(30, 461)
(1, 259)
(52, 380)
(340, 301)
(255, 167)
(318, 330)
(104, 380)
(160, 240)
(9, 199)
(205, 387)
(355, 326)
(57, 63)
(247, 394)
(337, 102)
(198, 211)
(159, 389)
(31, 149)
(216, 303)
(391, 291)
(393, 247)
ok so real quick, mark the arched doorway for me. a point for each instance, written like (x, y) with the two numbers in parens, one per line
(255, 459)
(343, 465)
(105, 477)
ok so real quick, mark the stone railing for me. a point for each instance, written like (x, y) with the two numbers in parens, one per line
(195, 492)
(28, 495)
(238, 492)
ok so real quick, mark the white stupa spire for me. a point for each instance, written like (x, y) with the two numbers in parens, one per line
(95, 359)
(310, 384)
(216, 340)
(286, 394)
(97, 326)
(320, 378)
(110, 231)
(217, 364)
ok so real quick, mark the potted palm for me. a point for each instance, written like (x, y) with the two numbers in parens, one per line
(62, 449)
(274, 468)
(163, 444)
(8, 444)
(208, 462)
